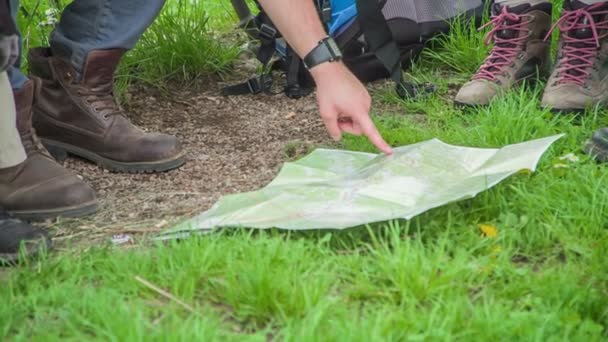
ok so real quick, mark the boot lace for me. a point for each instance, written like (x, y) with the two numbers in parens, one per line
(505, 49)
(101, 100)
(578, 54)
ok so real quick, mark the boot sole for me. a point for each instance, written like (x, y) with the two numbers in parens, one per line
(531, 81)
(67, 212)
(60, 151)
(571, 111)
(465, 106)
(567, 111)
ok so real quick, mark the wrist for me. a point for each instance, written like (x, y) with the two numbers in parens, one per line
(327, 70)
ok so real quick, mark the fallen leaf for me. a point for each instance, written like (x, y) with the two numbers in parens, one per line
(488, 230)
(290, 115)
(571, 157)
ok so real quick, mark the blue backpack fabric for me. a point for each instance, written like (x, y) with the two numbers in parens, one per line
(378, 38)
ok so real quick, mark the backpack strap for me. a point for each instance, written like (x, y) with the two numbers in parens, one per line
(254, 85)
(325, 12)
(295, 87)
(380, 40)
(267, 35)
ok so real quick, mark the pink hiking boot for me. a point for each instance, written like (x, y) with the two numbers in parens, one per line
(580, 77)
(520, 52)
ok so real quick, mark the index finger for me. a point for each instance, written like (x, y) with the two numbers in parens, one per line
(370, 130)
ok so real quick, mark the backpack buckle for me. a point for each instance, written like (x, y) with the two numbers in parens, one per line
(267, 34)
(256, 85)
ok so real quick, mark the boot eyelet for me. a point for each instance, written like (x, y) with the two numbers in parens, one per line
(105, 117)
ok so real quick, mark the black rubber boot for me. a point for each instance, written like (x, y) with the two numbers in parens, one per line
(18, 238)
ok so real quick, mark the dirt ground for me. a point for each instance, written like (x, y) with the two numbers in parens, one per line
(233, 144)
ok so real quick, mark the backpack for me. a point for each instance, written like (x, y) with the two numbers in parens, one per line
(378, 39)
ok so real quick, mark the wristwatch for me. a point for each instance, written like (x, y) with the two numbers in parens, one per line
(326, 51)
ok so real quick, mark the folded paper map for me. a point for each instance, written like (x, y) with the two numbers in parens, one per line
(332, 189)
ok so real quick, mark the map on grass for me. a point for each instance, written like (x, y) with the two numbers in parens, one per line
(332, 189)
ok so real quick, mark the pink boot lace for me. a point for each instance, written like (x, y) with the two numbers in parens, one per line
(505, 49)
(578, 54)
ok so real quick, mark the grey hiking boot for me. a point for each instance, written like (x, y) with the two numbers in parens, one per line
(520, 52)
(580, 78)
(597, 147)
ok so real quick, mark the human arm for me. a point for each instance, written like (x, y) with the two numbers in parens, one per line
(344, 102)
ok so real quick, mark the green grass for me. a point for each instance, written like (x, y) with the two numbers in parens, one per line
(543, 278)
(188, 40)
(181, 46)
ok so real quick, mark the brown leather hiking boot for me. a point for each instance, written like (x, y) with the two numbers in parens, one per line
(39, 188)
(81, 117)
(580, 78)
(520, 52)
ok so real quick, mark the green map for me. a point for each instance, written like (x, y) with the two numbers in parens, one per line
(332, 189)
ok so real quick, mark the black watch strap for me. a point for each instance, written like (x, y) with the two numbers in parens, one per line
(326, 51)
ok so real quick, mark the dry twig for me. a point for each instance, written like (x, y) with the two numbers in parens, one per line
(166, 294)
